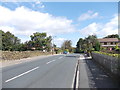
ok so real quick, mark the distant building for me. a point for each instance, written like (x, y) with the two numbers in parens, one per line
(109, 42)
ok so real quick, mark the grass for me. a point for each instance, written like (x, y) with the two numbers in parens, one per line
(16, 55)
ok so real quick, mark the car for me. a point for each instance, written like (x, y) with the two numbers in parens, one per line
(65, 52)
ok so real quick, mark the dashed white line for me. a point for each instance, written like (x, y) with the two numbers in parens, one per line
(60, 57)
(22, 74)
(50, 61)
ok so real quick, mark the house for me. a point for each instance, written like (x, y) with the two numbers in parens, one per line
(109, 42)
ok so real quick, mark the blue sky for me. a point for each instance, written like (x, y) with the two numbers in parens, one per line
(65, 20)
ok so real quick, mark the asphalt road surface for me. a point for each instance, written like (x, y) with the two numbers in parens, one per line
(55, 71)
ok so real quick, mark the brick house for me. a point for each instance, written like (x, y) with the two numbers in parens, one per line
(109, 42)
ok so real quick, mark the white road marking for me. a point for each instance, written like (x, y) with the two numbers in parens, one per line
(77, 80)
(22, 74)
(60, 57)
(50, 61)
(74, 76)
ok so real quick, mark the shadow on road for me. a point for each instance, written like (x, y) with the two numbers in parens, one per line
(97, 77)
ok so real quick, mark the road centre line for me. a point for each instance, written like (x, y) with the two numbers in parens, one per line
(22, 74)
(60, 57)
(50, 61)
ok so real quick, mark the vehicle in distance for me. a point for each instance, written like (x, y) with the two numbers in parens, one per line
(65, 52)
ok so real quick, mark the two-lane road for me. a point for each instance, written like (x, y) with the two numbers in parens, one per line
(50, 72)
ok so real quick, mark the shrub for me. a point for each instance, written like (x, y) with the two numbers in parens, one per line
(113, 55)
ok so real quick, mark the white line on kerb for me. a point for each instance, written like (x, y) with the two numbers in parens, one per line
(22, 74)
(50, 61)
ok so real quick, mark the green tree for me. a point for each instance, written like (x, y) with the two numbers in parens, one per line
(113, 36)
(79, 45)
(97, 46)
(40, 41)
(88, 44)
(48, 44)
(9, 41)
(67, 45)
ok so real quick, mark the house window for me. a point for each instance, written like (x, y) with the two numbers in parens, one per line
(111, 43)
(105, 43)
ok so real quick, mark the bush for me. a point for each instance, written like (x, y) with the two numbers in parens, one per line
(113, 55)
(79, 51)
(118, 49)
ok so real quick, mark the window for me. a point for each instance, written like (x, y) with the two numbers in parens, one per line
(105, 43)
(111, 43)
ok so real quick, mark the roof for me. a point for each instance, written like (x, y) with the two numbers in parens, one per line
(108, 40)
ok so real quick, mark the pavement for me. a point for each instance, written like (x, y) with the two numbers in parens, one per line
(93, 76)
(55, 71)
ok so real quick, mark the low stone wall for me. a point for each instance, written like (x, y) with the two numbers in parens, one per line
(15, 55)
(111, 64)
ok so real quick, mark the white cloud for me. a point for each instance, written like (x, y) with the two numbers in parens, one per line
(24, 21)
(101, 30)
(90, 29)
(37, 2)
(88, 15)
(59, 41)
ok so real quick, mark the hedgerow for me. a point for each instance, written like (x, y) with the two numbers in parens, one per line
(113, 55)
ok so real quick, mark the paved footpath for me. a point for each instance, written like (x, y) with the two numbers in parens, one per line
(92, 76)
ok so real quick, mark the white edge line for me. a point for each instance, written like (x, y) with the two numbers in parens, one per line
(77, 84)
(22, 74)
(74, 76)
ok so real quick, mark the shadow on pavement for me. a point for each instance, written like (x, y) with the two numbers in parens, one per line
(97, 77)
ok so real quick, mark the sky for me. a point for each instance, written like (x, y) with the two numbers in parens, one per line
(62, 20)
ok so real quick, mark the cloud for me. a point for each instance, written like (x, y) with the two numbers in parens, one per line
(90, 29)
(88, 15)
(101, 30)
(38, 4)
(24, 21)
(59, 41)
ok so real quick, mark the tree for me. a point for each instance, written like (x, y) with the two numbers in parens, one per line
(97, 46)
(40, 41)
(113, 36)
(79, 45)
(1, 32)
(88, 44)
(48, 44)
(67, 45)
(9, 41)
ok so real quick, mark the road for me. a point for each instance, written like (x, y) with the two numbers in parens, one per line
(55, 71)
